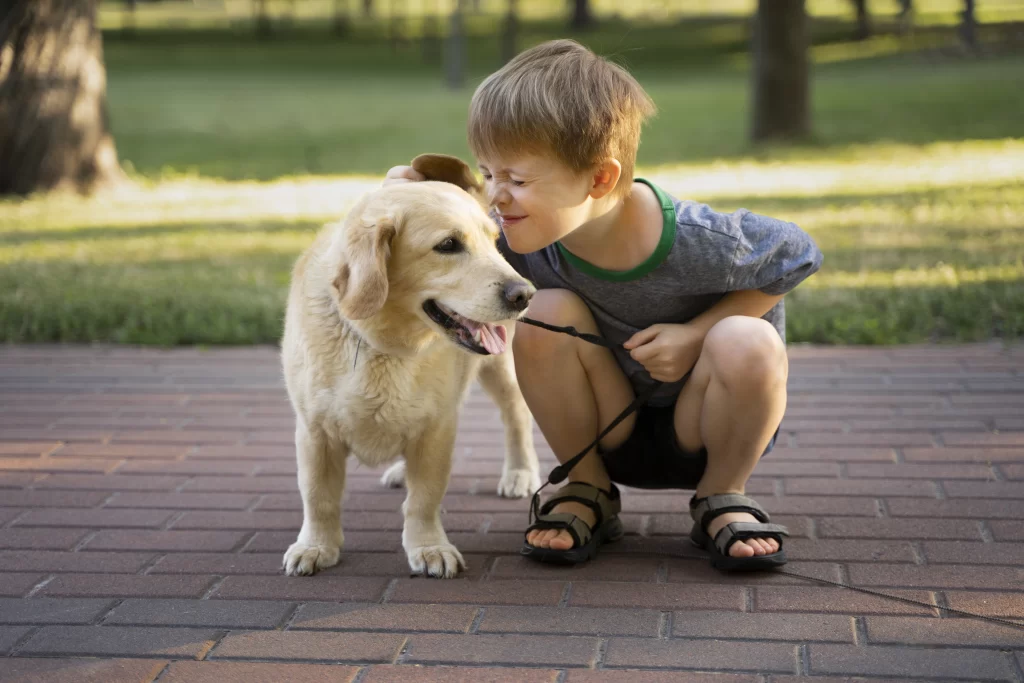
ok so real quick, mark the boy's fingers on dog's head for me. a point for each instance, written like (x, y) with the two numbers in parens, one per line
(401, 174)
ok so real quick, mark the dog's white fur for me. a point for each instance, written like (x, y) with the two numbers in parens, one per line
(371, 376)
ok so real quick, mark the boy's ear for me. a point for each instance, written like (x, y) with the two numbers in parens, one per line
(449, 169)
(606, 177)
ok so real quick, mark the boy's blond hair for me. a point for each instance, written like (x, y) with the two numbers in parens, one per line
(561, 99)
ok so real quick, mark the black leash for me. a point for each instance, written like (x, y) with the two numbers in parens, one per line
(559, 474)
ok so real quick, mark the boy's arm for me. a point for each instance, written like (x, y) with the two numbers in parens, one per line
(750, 302)
(669, 351)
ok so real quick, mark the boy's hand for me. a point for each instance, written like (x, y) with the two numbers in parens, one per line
(402, 174)
(667, 352)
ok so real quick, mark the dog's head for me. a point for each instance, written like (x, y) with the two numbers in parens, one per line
(418, 258)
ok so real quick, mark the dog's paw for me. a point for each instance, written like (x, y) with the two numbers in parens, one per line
(394, 476)
(518, 483)
(302, 560)
(439, 561)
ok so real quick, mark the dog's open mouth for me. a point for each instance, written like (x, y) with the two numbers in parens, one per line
(482, 338)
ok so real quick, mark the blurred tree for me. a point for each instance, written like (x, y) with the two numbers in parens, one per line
(781, 77)
(455, 48)
(582, 17)
(431, 32)
(130, 16)
(509, 31)
(367, 8)
(863, 31)
(968, 24)
(906, 16)
(342, 23)
(54, 132)
(263, 26)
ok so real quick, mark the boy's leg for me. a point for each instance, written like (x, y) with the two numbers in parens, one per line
(732, 404)
(558, 376)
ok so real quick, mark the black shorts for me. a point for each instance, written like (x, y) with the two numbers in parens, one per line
(651, 458)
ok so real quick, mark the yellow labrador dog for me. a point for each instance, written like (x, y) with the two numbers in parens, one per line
(392, 313)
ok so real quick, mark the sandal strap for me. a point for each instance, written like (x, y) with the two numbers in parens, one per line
(605, 504)
(577, 528)
(739, 531)
(703, 510)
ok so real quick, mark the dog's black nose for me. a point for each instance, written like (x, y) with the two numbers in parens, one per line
(518, 294)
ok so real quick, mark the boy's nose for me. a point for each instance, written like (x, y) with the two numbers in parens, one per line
(496, 196)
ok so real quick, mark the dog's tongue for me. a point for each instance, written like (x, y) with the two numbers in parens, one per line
(493, 338)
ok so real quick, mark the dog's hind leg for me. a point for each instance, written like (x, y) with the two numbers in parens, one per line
(321, 481)
(394, 476)
(519, 476)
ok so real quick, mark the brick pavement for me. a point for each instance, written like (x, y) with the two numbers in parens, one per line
(146, 498)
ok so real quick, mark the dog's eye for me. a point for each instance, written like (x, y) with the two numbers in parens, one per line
(449, 245)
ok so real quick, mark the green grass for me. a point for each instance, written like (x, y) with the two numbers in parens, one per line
(241, 150)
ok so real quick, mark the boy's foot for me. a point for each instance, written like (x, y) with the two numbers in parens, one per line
(721, 522)
(572, 525)
(559, 539)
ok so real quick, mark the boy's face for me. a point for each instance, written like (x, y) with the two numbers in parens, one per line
(539, 199)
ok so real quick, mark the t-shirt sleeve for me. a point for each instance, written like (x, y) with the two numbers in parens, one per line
(772, 256)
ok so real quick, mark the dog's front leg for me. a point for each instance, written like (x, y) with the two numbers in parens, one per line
(428, 464)
(321, 481)
(519, 477)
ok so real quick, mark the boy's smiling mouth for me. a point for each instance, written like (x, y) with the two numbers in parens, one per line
(511, 220)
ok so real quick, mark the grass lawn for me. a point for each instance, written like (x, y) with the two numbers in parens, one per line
(240, 151)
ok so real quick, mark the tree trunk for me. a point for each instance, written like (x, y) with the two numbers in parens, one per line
(509, 32)
(367, 8)
(906, 16)
(455, 49)
(780, 72)
(863, 31)
(581, 16)
(968, 24)
(341, 26)
(54, 132)
(263, 26)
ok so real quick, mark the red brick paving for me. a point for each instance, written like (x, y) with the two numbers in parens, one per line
(146, 497)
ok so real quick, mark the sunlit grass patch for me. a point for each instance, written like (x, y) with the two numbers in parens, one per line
(921, 243)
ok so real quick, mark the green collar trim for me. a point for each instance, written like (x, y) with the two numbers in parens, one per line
(668, 236)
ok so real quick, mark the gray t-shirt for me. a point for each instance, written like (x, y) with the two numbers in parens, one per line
(702, 256)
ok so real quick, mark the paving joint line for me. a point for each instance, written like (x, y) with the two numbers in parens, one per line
(602, 652)
(153, 677)
(474, 626)
(217, 582)
(39, 586)
(389, 590)
(105, 615)
(20, 642)
(860, 631)
(803, 660)
(986, 531)
(563, 600)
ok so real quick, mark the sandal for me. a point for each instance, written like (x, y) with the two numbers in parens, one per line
(586, 540)
(703, 510)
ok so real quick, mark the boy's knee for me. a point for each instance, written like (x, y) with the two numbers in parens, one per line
(555, 307)
(747, 350)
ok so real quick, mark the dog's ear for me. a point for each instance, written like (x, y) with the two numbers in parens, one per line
(361, 281)
(449, 169)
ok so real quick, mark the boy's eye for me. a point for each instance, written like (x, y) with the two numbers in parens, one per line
(518, 183)
(449, 245)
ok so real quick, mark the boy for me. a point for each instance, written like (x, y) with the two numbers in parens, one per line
(693, 296)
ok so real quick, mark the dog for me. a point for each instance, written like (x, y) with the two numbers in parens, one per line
(391, 315)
